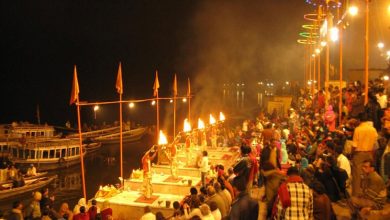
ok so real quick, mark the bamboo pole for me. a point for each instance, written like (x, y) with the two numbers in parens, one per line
(81, 149)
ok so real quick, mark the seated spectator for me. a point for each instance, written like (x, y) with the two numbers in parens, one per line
(76, 209)
(206, 213)
(215, 211)
(373, 189)
(148, 214)
(322, 207)
(45, 214)
(213, 196)
(65, 212)
(16, 213)
(159, 216)
(94, 211)
(82, 215)
(243, 207)
(193, 199)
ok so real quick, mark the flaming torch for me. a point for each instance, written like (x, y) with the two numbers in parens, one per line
(200, 124)
(212, 120)
(187, 126)
(221, 117)
(162, 139)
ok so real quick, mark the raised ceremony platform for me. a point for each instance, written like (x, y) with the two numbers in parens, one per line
(129, 203)
(163, 183)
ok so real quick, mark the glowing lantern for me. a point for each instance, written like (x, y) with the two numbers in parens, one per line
(200, 124)
(162, 139)
(221, 116)
(212, 120)
(187, 126)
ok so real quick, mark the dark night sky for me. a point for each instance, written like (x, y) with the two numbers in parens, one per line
(210, 41)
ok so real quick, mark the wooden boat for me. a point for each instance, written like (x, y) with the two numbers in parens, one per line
(92, 147)
(40, 174)
(96, 133)
(48, 154)
(7, 191)
(24, 131)
(127, 136)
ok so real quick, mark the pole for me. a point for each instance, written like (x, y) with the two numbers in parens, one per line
(81, 149)
(310, 67)
(189, 100)
(366, 55)
(121, 137)
(327, 60)
(174, 105)
(305, 66)
(312, 86)
(319, 72)
(158, 117)
(319, 16)
(340, 69)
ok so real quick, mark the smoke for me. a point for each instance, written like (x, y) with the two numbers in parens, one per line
(241, 42)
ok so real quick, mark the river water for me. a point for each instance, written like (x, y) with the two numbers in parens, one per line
(101, 168)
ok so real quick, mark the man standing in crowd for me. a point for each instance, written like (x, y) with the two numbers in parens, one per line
(364, 139)
(295, 199)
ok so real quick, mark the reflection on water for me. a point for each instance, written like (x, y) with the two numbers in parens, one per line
(101, 168)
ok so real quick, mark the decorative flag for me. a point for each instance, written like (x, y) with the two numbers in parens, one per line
(119, 84)
(156, 85)
(74, 96)
(175, 86)
(189, 88)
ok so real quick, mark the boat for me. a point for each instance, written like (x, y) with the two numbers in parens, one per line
(46, 154)
(92, 147)
(24, 131)
(95, 133)
(40, 174)
(6, 189)
(127, 136)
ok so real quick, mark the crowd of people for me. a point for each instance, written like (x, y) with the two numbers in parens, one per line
(315, 155)
(42, 208)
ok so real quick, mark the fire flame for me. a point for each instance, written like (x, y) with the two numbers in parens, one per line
(221, 116)
(187, 126)
(162, 139)
(212, 120)
(200, 124)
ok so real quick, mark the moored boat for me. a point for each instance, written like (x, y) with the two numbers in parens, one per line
(24, 131)
(95, 133)
(7, 191)
(47, 155)
(25, 177)
(127, 136)
(92, 147)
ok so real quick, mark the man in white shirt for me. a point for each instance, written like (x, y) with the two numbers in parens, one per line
(148, 214)
(343, 163)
